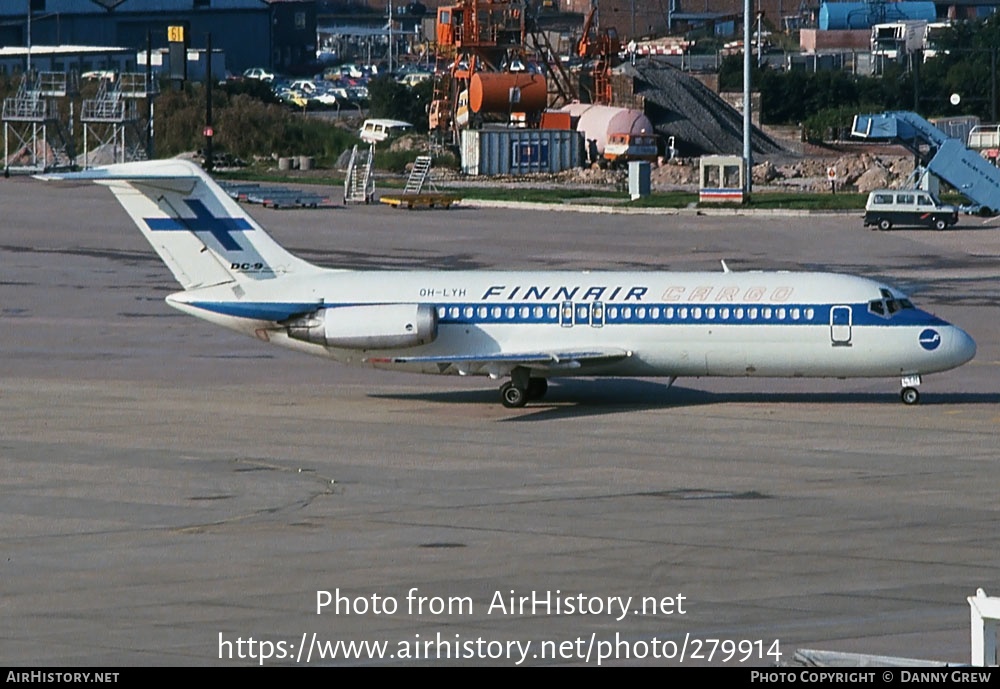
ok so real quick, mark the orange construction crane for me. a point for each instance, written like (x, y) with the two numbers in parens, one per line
(602, 46)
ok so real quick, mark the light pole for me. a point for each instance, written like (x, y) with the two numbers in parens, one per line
(747, 160)
(760, 53)
(29, 36)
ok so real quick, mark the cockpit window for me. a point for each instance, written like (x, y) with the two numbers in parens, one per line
(888, 306)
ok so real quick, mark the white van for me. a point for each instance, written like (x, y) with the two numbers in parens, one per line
(375, 131)
(889, 207)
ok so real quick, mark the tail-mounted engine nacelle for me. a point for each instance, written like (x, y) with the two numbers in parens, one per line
(372, 326)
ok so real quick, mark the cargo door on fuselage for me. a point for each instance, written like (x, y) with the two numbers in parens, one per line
(840, 326)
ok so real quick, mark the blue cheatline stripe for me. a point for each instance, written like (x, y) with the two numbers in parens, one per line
(258, 310)
(673, 313)
(470, 313)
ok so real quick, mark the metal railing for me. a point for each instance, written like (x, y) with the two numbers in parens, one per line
(103, 111)
(30, 109)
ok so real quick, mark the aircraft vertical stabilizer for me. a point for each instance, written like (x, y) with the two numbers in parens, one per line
(203, 236)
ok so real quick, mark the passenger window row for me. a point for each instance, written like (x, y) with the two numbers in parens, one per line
(583, 313)
(497, 313)
(631, 314)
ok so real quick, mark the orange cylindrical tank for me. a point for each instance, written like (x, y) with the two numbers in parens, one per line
(491, 92)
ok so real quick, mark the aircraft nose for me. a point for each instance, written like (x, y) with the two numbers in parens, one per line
(963, 347)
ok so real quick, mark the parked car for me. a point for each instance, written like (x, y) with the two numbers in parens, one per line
(377, 130)
(108, 74)
(293, 97)
(889, 207)
(414, 78)
(258, 73)
(351, 70)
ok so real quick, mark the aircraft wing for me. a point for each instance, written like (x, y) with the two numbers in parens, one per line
(504, 361)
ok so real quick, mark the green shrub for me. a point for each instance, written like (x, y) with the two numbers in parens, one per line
(398, 102)
(826, 124)
(244, 126)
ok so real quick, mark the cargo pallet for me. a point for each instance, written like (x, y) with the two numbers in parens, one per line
(275, 197)
(420, 200)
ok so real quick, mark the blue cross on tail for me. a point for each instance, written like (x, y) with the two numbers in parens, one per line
(204, 221)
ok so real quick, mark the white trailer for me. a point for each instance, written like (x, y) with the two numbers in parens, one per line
(933, 33)
(896, 40)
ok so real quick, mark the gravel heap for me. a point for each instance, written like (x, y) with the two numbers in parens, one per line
(681, 106)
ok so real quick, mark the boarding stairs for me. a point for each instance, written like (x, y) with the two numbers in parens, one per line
(419, 174)
(944, 156)
(359, 185)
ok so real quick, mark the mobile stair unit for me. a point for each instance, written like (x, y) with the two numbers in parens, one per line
(943, 156)
(359, 185)
(413, 195)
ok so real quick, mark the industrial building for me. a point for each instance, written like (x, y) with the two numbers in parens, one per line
(636, 19)
(64, 58)
(277, 34)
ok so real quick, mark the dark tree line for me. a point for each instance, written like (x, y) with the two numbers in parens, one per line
(966, 65)
(399, 102)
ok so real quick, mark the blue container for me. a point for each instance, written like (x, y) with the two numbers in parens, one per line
(520, 151)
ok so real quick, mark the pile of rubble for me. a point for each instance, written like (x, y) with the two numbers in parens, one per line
(677, 174)
(863, 172)
(593, 175)
(421, 143)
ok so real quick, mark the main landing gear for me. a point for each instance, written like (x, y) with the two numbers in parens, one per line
(909, 393)
(521, 389)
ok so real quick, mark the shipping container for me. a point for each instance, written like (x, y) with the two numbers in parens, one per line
(553, 119)
(520, 151)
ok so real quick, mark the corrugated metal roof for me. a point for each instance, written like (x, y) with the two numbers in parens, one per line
(42, 50)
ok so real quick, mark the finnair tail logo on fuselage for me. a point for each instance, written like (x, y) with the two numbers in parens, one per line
(221, 229)
(220, 235)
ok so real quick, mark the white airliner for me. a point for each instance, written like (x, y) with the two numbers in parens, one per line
(528, 326)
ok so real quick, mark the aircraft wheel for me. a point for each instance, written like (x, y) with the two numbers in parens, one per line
(909, 396)
(537, 387)
(512, 396)
(884, 224)
(940, 224)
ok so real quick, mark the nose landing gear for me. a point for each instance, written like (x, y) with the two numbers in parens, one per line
(909, 393)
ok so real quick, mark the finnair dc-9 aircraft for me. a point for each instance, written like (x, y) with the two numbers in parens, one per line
(525, 326)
